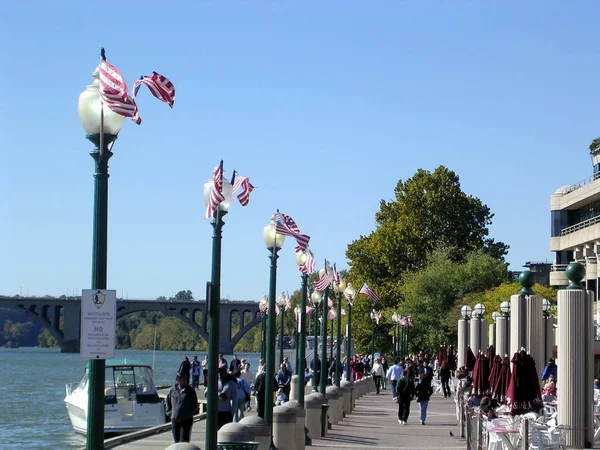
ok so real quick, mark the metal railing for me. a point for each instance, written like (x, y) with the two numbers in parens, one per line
(580, 226)
(581, 183)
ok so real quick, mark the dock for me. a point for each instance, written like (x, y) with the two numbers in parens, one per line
(373, 423)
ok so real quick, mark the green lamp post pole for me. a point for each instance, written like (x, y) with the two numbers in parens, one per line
(338, 351)
(324, 344)
(302, 340)
(101, 126)
(274, 242)
(351, 292)
(214, 305)
(263, 306)
(332, 337)
(372, 336)
(316, 299)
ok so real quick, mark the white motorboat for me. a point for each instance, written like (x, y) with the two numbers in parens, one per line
(131, 401)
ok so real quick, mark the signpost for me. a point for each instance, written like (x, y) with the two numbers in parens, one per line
(98, 323)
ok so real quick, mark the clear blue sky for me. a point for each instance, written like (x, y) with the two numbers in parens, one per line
(324, 105)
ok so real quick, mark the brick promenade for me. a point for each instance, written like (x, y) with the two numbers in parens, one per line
(374, 423)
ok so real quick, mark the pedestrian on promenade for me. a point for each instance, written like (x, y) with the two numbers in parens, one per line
(261, 391)
(444, 376)
(405, 390)
(195, 373)
(205, 370)
(549, 370)
(394, 373)
(185, 367)
(385, 367)
(227, 404)
(377, 373)
(181, 405)
(423, 394)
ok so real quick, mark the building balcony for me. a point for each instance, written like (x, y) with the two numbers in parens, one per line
(558, 277)
(586, 232)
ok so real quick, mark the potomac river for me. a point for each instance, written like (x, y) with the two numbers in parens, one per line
(32, 389)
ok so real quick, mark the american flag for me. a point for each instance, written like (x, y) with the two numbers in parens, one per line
(309, 310)
(409, 321)
(376, 315)
(403, 322)
(238, 181)
(336, 276)
(277, 309)
(330, 303)
(216, 193)
(159, 86)
(309, 265)
(348, 298)
(285, 225)
(322, 283)
(288, 301)
(365, 289)
(113, 91)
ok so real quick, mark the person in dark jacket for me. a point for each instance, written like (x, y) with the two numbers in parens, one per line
(423, 394)
(260, 387)
(405, 389)
(444, 376)
(185, 366)
(181, 405)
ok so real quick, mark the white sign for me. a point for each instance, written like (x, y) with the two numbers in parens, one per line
(98, 324)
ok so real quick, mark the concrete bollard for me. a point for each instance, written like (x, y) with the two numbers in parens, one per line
(284, 427)
(312, 404)
(261, 429)
(300, 414)
(347, 388)
(234, 432)
(334, 398)
(294, 387)
(182, 446)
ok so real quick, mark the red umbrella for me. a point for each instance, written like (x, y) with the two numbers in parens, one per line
(523, 394)
(502, 382)
(491, 352)
(495, 372)
(469, 358)
(451, 358)
(442, 355)
(481, 375)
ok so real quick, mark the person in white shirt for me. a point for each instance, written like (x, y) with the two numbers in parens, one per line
(377, 372)
(248, 377)
(394, 373)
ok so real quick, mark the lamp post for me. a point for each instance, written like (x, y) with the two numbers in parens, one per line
(274, 242)
(463, 333)
(351, 293)
(281, 303)
(316, 298)
(339, 287)
(324, 334)
(502, 330)
(331, 316)
(373, 318)
(395, 320)
(263, 306)
(214, 306)
(101, 126)
(301, 363)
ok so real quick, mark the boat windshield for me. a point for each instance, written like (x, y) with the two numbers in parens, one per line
(128, 381)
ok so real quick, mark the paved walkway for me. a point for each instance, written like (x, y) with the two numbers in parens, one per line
(373, 423)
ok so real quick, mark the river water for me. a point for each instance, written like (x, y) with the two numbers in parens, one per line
(32, 389)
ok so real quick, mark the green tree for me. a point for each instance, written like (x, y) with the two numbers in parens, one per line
(184, 296)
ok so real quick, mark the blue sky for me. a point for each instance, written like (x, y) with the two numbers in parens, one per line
(324, 105)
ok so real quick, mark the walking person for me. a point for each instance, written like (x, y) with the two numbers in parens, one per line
(444, 376)
(394, 373)
(405, 389)
(195, 373)
(423, 394)
(377, 373)
(181, 405)
(228, 402)
(385, 367)
(185, 367)
(205, 370)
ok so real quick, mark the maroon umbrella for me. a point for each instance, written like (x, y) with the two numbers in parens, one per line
(442, 355)
(523, 394)
(495, 372)
(490, 356)
(481, 373)
(451, 358)
(469, 359)
(502, 382)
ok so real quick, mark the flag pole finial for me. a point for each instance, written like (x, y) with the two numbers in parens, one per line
(102, 53)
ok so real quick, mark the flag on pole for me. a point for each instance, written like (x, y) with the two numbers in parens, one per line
(309, 265)
(159, 86)
(285, 225)
(322, 283)
(238, 181)
(277, 309)
(330, 303)
(403, 322)
(409, 321)
(348, 298)
(377, 316)
(288, 301)
(216, 193)
(336, 276)
(365, 289)
(113, 91)
(331, 314)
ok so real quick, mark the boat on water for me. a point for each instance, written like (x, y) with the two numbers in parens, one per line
(131, 401)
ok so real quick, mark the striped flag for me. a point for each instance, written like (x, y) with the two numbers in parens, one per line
(159, 86)
(285, 225)
(277, 309)
(365, 289)
(288, 301)
(309, 265)
(330, 303)
(216, 193)
(113, 91)
(336, 276)
(376, 316)
(348, 298)
(309, 310)
(403, 321)
(238, 181)
(322, 283)
(409, 321)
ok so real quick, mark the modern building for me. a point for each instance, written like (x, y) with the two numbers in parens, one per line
(575, 226)
(540, 270)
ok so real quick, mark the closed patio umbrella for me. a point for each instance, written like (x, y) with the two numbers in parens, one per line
(491, 352)
(481, 373)
(523, 394)
(469, 359)
(502, 382)
(451, 355)
(495, 372)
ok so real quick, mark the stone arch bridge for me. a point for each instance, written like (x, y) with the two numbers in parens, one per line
(48, 312)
